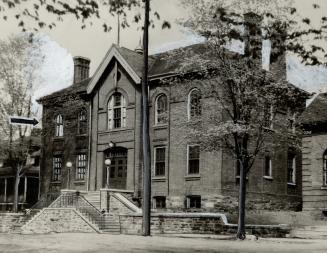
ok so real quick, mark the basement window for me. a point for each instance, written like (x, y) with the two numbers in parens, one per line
(193, 201)
(159, 202)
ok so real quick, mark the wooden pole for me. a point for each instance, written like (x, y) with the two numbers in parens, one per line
(145, 129)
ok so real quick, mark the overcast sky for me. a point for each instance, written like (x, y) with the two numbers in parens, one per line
(68, 40)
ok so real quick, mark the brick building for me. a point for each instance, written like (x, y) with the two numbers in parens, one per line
(92, 140)
(314, 149)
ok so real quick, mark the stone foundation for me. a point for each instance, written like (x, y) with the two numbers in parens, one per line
(10, 222)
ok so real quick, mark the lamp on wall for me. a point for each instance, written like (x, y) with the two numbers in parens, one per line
(111, 144)
(1, 163)
(69, 166)
(107, 162)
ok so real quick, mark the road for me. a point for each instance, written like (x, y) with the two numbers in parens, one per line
(93, 243)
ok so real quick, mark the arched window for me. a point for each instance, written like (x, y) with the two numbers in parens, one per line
(116, 111)
(82, 122)
(59, 126)
(194, 104)
(325, 168)
(161, 114)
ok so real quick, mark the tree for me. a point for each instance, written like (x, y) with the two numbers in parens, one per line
(20, 60)
(242, 119)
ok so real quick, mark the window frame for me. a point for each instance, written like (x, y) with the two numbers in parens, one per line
(293, 159)
(157, 114)
(59, 126)
(111, 107)
(270, 169)
(188, 159)
(81, 167)
(189, 104)
(85, 121)
(57, 162)
(155, 161)
(155, 202)
(269, 115)
(324, 171)
(188, 202)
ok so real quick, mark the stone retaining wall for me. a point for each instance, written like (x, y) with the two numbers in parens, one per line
(195, 223)
(59, 220)
(10, 222)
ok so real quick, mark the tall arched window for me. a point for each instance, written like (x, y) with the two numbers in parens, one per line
(82, 122)
(194, 104)
(116, 111)
(325, 167)
(161, 115)
(59, 126)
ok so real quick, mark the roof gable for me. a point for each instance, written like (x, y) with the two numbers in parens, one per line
(114, 52)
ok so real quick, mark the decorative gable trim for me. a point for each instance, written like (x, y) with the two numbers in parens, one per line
(112, 53)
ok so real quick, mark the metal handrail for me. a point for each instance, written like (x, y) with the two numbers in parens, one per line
(83, 206)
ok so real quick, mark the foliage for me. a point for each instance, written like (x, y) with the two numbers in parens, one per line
(86, 11)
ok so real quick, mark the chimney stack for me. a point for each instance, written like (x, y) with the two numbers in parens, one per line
(253, 36)
(81, 68)
(277, 36)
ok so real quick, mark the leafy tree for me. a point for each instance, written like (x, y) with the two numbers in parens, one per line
(253, 109)
(20, 60)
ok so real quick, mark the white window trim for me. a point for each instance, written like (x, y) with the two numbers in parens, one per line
(154, 160)
(324, 169)
(270, 168)
(187, 160)
(293, 182)
(59, 126)
(156, 110)
(189, 103)
(110, 112)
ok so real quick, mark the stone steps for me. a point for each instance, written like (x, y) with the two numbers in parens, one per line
(111, 224)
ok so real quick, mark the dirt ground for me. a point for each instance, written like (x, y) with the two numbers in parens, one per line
(157, 244)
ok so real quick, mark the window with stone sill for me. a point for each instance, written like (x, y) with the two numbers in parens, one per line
(159, 161)
(59, 129)
(159, 202)
(268, 167)
(81, 163)
(193, 201)
(57, 166)
(82, 122)
(161, 109)
(193, 158)
(116, 111)
(291, 169)
(325, 169)
(194, 104)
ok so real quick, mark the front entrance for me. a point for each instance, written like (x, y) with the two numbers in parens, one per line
(117, 168)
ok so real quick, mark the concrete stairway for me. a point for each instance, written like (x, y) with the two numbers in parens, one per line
(111, 224)
(11, 222)
(94, 198)
(310, 232)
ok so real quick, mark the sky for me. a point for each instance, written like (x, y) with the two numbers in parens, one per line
(68, 40)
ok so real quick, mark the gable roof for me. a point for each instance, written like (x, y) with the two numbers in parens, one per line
(316, 112)
(130, 62)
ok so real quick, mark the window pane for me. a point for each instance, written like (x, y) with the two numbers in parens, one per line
(195, 103)
(267, 166)
(81, 167)
(162, 109)
(160, 202)
(57, 164)
(160, 156)
(194, 160)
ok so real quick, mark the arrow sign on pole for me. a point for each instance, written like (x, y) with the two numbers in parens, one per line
(17, 120)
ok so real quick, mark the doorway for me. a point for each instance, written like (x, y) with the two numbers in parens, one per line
(117, 168)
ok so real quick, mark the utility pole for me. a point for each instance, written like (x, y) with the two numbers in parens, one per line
(145, 128)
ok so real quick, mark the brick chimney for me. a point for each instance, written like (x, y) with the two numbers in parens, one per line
(277, 38)
(81, 68)
(253, 36)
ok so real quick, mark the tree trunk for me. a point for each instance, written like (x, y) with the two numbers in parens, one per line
(16, 189)
(241, 203)
(145, 128)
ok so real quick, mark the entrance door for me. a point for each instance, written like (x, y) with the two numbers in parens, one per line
(117, 169)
